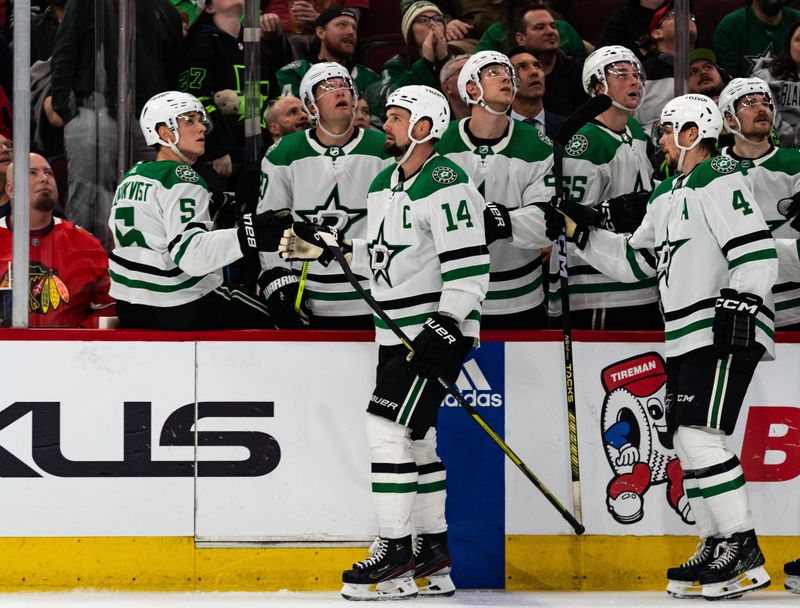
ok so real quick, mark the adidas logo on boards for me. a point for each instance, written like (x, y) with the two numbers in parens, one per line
(475, 388)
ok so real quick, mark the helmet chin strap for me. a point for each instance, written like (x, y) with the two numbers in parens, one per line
(683, 150)
(617, 104)
(173, 145)
(738, 131)
(331, 133)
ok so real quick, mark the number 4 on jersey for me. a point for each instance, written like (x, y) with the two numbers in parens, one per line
(739, 202)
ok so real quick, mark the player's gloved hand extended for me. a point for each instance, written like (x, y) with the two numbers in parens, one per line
(623, 213)
(305, 241)
(735, 320)
(790, 209)
(263, 231)
(496, 222)
(435, 346)
(278, 286)
(583, 217)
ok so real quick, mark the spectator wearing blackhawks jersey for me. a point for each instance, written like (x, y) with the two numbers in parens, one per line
(426, 255)
(68, 267)
(166, 265)
(606, 161)
(323, 174)
(774, 173)
(511, 163)
(705, 240)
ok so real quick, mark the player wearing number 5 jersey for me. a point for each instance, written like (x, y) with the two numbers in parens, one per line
(706, 242)
(166, 265)
(606, 161)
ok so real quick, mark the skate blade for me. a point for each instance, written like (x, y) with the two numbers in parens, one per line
(752, 580)
(792, 583)
(395, 589)
(683, 590)
(435, 585)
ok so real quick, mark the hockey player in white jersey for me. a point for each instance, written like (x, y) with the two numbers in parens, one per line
(606, 161)
(511, 163)
(323, 175)
(749, 112)
(166, 265)
(705, 240)
(426, 254)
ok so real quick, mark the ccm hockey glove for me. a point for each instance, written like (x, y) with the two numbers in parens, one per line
(278, 286)
(583, 216)
(262, 231)
(304, 242)
(623, 213)
(496, 222)
(735, 321)
(435, 346)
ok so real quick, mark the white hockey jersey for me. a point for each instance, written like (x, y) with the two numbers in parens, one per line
(516, 172)
(425, 248)
(599, 164)
(165, 253)
(327, 185)
(706, 233)
(773, 177)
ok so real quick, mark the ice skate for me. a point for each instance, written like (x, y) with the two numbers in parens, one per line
(432, 571)
(387, 574)
(683, 579)
(739, 569)
(792, 572)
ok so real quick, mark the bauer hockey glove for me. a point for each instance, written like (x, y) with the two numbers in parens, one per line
(278, 287)
(263, 231)
(435, 346)
(583, 216)
(790, 209)
(623, 213)
(735, 321)
(304, 241)
(496, 222)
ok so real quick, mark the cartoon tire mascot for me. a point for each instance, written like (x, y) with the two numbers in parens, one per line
(635, 438)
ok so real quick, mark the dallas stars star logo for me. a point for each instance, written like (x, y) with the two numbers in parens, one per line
(382, 255)
(666, 255)
(333, 213)
(757, 61)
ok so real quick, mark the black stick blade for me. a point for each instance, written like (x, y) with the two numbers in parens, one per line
(583, 114)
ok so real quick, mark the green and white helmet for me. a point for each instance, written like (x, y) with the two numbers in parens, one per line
(471, 72)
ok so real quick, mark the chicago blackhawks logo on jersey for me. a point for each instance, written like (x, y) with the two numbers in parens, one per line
(723, 164)
(333, 213)
(47, 289)
(444, 175)
(186, 173)
(382, 254)
(577, 145)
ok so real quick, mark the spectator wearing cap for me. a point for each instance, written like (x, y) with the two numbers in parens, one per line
(448, 79)
(782, 74)
(426, 49)
(751, 36)
(705, 77)
(335, 39)
(528, 105)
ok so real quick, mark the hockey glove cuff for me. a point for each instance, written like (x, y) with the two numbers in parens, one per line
(623, 213)
(435, 346)
(278, 287)
(305, 241)
(790, 209)
(735, 321)
(263, 231)
(496, 222)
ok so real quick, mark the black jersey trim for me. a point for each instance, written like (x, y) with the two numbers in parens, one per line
(713, 470)
(144, 268)
(433, 467)
(391, 467)
(425, 298)
(189, 226)
(746, 239)
(464, 252)
(516, 273)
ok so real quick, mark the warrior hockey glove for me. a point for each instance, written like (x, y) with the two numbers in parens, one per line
(262, 231)
(623, 213)
(435, 346)
(790, 209)
(305, 241)
(496, 222)
(583, 216)
(735, 320)
(278, 286)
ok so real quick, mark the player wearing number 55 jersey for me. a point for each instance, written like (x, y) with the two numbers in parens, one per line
(166, 265)
(716, 264)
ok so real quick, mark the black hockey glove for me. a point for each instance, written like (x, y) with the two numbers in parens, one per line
(735, 321)
(790, 209)
(496, 222)
(278, 286)
(263, 231)
(623, 213)
(583, 216)
(554, 223)
(435, 346)
(305, 241)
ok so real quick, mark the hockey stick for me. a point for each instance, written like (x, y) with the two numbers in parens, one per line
(337, 253)
(301, 287)
(582, 115)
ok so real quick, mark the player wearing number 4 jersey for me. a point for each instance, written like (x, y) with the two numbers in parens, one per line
(166, 265)
(426, 254)
(606, 162)
(705, 240)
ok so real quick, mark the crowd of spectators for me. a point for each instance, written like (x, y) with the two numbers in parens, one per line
(198, 46)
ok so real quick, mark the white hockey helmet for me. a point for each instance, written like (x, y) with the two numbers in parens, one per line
(695, 109)
(165, 108)
(422, 102)
(734, 91)
(594, 68)
(319, 72)
(471, 72)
